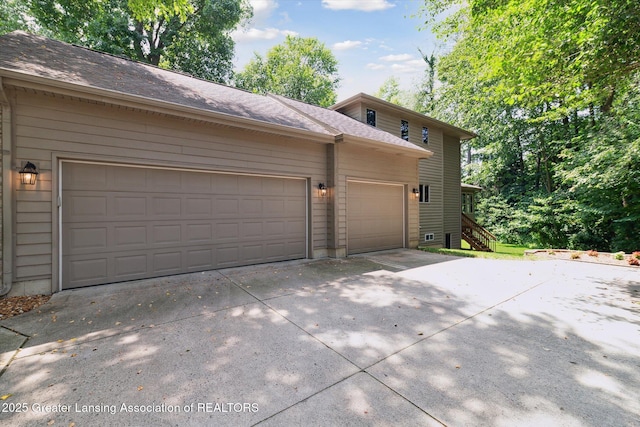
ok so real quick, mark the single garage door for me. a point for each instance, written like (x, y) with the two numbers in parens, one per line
(375, 217)
(123, 223)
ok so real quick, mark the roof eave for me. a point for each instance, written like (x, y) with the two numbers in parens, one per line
(372, 144)
(358, 98)
(13, 78)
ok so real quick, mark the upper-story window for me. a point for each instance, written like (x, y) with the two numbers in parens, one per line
(371, 117)
(404, 130)
(425, 135)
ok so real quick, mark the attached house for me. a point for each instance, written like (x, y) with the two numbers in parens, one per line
(144, 172)
(439, 189)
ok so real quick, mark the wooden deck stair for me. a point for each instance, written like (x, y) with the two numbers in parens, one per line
(477, 236)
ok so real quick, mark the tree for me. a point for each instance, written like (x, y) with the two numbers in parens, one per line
(390, 91)
(300, 68)
(13, 16)
(551, 88)
(186, 35)
(570, 54)
(426, 92)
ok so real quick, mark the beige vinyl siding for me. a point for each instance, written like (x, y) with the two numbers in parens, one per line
(452, 192)
(431, 174)
(49, 126)
(390, 124)
(355, 112)
(430, 170)
(359, 163)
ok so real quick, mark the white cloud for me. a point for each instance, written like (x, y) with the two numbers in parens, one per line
(407, 67)
(256, 34)
(397, 58)
(285, 18)
(373, 66)
(262, 10)
(346, 45)
(362, 5)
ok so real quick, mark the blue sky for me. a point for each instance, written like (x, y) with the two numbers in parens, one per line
(371, 39)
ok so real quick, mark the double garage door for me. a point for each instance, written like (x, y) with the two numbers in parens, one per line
(123, 223)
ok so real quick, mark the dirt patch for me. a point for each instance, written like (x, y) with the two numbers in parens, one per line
(13, 306)
(582, 256)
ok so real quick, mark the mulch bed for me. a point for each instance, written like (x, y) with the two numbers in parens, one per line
(583, 256)
(13, 306)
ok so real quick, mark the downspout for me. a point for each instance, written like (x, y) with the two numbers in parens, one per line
(7, 200)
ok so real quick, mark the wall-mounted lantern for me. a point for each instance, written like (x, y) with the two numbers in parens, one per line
(323, 189)
(415, 192)
(29, 174)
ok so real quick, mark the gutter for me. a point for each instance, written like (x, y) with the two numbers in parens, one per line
(6, 212)
(417, 152)
(109, 96)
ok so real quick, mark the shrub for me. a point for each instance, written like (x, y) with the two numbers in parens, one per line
(636, 255)
(619, 256)
(575, 255)
(634, 261)
(592, 253)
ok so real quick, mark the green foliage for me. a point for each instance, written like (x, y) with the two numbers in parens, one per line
(390, 91)
(300, 68)
(13, 16)
(503, 251)
(553, 90)
(186, 35)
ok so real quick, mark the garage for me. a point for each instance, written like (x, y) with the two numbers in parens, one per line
(129, 222)
(375, 216)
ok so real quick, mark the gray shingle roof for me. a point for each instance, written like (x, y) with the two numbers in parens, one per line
(59, 62)
(347, 125)
(38, 56)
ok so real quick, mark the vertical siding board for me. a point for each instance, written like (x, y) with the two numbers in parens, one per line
(65, 127)
(452, 208)
(431, 173)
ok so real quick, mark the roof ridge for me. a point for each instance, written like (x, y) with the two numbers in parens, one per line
(326, 126)
(122, 57)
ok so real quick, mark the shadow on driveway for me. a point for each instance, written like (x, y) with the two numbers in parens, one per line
(395, 338)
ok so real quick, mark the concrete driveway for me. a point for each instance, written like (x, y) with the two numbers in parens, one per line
(391, 338)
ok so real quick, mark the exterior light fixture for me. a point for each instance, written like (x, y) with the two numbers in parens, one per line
(415, 192)
(29, 174)
(323, 189)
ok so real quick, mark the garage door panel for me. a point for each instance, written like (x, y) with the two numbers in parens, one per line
(113, 231)
(168, 262)
(226, 206)
(197, 233)
(88, 270)
(199, 258)
(250, 230)
(375, 217)
(128, 207)
(227, 231)
(83, 239)
(198, 207)
(126, 266)
(130, 178)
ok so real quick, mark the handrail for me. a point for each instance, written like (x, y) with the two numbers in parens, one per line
(480, 233)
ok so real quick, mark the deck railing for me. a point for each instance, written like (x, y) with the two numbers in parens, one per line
(478, 237)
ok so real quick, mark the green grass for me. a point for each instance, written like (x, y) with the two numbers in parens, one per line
(503, 251)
